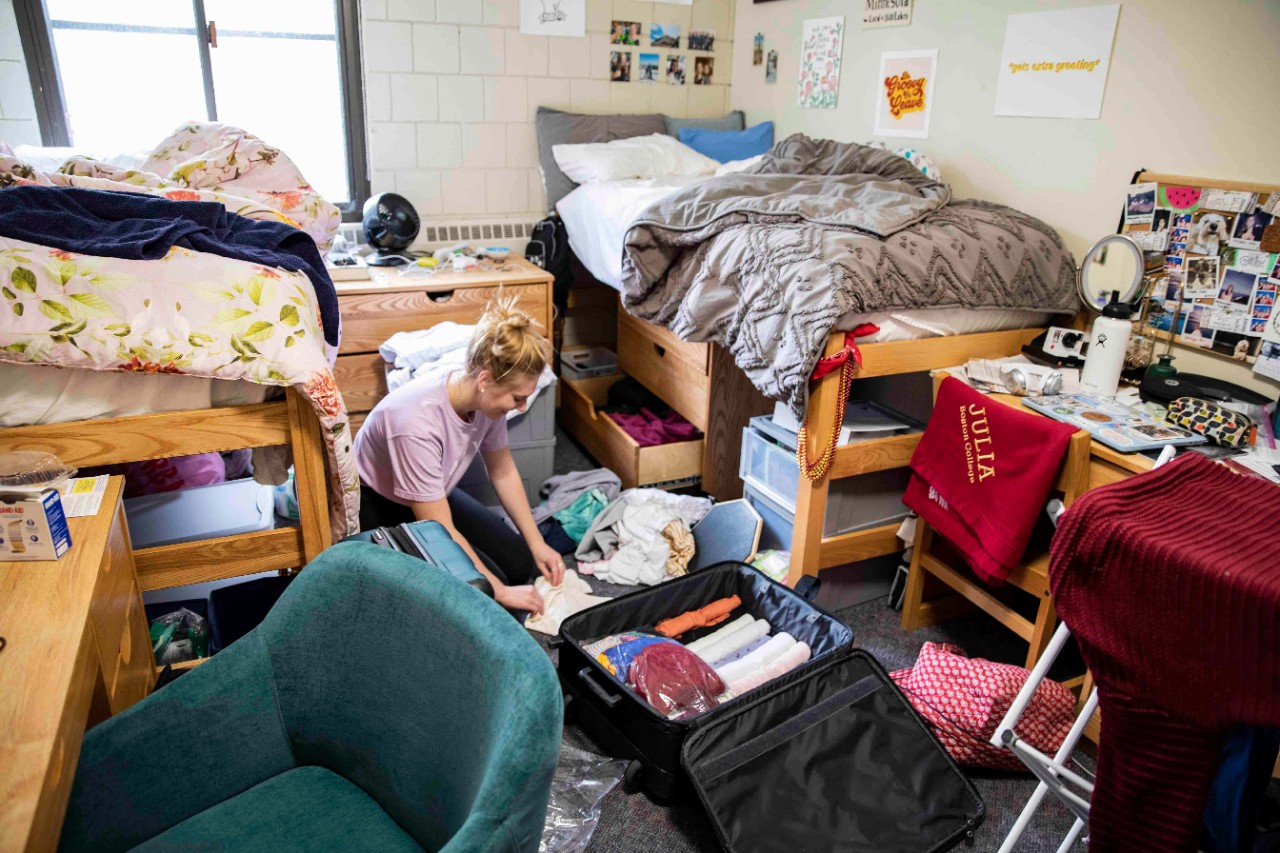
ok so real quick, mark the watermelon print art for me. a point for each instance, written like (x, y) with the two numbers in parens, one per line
(1181, 198)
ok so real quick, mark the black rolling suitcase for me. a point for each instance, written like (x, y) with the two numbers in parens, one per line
(829, 757)
(430, 542)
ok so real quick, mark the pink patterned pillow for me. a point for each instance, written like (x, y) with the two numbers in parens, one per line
(964, 699)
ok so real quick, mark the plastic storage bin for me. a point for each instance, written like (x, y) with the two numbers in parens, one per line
(538, 423)
(202, 512)
(535, 463)
(768, 468)
(587, 362)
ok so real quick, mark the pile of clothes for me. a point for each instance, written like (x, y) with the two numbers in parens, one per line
(682, 680)
(644, 417)
(644, 536)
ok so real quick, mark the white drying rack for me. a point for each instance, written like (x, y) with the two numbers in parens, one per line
(1055, 776)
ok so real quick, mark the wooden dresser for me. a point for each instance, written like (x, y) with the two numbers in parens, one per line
(76, 651)
(374, 310)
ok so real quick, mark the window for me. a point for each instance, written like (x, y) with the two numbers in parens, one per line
(115, 78)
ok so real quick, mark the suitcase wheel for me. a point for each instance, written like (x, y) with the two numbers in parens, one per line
(633, 778)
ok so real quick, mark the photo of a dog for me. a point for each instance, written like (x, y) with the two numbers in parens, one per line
(1208, 231)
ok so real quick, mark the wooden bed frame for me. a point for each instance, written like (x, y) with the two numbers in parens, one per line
(138, 438)
(811, 552)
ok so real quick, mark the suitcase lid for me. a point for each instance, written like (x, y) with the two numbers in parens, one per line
(830, 757)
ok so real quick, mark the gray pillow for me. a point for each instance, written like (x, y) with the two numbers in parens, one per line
(735, 120)
(559, 128)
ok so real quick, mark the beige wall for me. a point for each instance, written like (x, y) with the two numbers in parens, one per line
(1192, 90)
(452, 88)
(18, 124)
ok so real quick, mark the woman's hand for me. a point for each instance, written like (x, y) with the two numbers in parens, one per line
(549, 562)
(518, 597)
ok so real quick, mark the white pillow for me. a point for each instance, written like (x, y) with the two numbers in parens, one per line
(654, 156)
(738, 165)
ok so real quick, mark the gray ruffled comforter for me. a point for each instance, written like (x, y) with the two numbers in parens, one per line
(766, 262)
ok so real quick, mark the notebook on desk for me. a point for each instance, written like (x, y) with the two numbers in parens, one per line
(1117, 426)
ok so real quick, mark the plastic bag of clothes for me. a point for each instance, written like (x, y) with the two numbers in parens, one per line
(179, 636)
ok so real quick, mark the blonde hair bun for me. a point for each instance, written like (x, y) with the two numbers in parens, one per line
(506, 343)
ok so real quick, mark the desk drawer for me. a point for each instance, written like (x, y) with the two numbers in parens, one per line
(368, 319)
(120, 625)
(671, 465)
(675, 370)
(362, 379)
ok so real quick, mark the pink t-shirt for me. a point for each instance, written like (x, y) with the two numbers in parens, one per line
(415, 447)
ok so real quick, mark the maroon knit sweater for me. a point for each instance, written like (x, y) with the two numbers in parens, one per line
(1171, 583)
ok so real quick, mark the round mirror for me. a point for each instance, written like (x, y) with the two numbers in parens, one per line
(1114, 263)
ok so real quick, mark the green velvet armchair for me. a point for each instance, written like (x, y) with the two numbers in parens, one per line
(382, 705)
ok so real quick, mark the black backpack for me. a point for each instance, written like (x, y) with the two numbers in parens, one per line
(549, 248)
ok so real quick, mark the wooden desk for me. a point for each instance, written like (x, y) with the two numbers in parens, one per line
(77, 651)
(374, 310)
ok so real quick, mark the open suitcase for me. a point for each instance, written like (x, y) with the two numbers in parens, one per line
(829, 757)
(430, 542)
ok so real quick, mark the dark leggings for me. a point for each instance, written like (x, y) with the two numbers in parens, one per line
(501, 549)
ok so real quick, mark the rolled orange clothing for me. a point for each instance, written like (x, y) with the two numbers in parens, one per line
(713, 614)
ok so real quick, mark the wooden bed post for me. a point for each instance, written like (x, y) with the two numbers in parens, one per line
(811, 497)
(308, 474)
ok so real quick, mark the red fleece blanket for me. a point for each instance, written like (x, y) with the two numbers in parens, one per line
(982, 474)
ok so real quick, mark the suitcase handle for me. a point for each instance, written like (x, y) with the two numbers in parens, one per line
(607, 698)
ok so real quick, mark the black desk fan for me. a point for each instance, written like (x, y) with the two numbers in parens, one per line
(390, 226)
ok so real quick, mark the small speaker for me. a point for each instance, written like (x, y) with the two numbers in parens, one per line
(1164, 390)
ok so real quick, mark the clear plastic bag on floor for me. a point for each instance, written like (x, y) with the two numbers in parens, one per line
(581, 782)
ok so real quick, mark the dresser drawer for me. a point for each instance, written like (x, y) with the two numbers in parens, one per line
(362, 379)
(120, 625)
(669, 465)
(368, 319)
(675, 370)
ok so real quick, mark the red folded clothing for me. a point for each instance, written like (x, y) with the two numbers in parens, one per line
(649, 430)
(674, 680)
(982, 473)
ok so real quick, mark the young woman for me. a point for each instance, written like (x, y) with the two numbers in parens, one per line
(420, 439)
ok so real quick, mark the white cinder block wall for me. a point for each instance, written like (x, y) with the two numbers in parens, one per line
(453, 85)
(18, 125)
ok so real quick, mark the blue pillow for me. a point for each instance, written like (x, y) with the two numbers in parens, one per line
(727, 145)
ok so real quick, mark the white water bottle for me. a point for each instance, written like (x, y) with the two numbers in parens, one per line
(1108, 341)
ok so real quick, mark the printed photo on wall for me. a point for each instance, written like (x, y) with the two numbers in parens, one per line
(1202, 278)
(703, 68)
(553, 17)
(625, 32)
(1160, 219)
(757, 50)
(1193, 331)
(675, 70)
(771, 68)
(1237, 287)
(648, 68)
(907, 82)
(1249, 228)
(821, 46)
(1209, 232)
(620, 66)
(702, 40)
(664, 35)
(1140, 204)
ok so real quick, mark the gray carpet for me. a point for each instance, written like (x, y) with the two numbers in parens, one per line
(635, 824)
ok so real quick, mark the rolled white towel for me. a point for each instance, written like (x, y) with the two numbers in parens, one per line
(781, 665)
(770, 651)
(716, 636)
(718, 651)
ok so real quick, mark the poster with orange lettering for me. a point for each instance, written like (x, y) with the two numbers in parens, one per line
(1054, 64)
(905, 92)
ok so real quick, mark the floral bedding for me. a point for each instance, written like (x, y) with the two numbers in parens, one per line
(202, 161)
(188, 313)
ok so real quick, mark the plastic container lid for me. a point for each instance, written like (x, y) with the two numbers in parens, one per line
(33, 469)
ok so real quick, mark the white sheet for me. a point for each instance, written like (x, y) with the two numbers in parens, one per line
(42, 394)
(597, 217)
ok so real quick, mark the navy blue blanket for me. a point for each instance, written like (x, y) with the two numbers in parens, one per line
(145, 227)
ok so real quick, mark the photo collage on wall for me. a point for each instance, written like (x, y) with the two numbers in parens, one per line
(648, 65)
(1223, 273)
